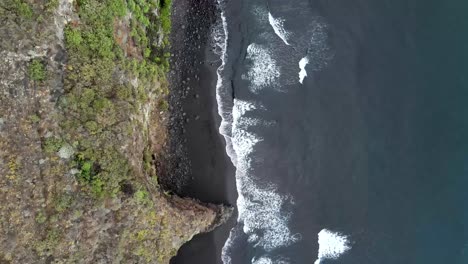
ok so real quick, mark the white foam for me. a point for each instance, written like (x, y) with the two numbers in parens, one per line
(331, 245)
(268, 260)
(220, 38)
(260, 207)
(302, 73)
(263, 72)
(278, 27)
(262, 260)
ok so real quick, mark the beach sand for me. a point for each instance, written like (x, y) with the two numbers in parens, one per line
(209, 175)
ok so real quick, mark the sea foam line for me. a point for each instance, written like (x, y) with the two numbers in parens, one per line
(278, 27)
(260, 207)
(220, 36)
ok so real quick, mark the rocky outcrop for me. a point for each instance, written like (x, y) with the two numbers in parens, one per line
(77, 189)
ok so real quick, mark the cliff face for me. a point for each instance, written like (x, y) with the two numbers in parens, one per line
(82, 125)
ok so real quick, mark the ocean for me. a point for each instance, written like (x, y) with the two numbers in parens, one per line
(347, 123)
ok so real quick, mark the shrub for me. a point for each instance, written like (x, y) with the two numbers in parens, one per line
(86, 170)
(92, 126)
(163, 105)
(97, 97)
(73, 37)
(22, 9)
(52, 144)
(51, 5)
(142, 197)
(63, 203)
(37, 70)
(118, 7)
(41, 218)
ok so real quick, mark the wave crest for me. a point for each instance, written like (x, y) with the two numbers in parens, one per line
(278, 27)
(331, 245)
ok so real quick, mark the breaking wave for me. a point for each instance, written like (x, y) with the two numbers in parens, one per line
(331, 245)
(278, 27)
(263, 72)
(302, 73)
(260, 207)
(262, 219)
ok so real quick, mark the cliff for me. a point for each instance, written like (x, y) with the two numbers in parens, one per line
(82, 127)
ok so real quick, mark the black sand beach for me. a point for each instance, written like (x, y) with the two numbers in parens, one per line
(204, 170)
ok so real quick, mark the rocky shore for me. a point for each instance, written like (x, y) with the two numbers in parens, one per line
(206, 171)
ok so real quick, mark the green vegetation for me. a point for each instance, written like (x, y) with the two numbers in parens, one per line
(146, 27)
(49, 243)
(34, 118)
(73, 38)
(52, 145)
(97, 103)
(21, 8)
(165, 6)
(92, 181)
(63, 202)
(163, 105)
(89, 174)
(37, 70)
(41, 218)
(142, 197)
(51, 5)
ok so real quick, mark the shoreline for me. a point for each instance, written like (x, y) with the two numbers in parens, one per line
(204, 171)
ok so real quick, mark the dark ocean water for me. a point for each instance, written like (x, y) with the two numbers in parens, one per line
(372, 147)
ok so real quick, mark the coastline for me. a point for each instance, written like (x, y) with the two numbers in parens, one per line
(204, 170)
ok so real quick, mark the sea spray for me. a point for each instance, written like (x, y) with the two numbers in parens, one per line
(331, 245)
(264, 71)
(302, 64)
(262, 219)
(260, 206)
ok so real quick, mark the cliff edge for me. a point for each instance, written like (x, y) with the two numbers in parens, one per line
(82, 126)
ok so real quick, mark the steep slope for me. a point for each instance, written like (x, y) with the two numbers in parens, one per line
(82, 125)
